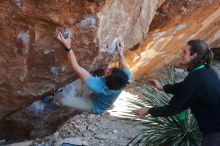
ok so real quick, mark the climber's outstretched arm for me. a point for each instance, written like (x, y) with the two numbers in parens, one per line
(81, 72)
(122, 62)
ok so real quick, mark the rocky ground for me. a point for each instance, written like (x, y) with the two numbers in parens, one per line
(90, 130)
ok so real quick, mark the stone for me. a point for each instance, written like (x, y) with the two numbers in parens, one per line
(115, 131)
(33, 63)
(91, 116)
(42, 143)
(26, 143)
(112, 137)
(71, 140)
(91, 128)
(36, 58)
(83, 115)
(101, 136)
(56, 135)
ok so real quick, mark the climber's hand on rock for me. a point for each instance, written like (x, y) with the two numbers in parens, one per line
(120, 48)
(66, 42)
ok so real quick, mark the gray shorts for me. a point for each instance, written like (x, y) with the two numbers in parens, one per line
(75, 95)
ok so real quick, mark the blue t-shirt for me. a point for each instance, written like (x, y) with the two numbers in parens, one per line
(103, 97)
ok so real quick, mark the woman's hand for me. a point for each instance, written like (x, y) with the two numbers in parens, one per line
(156, 84)
(142, 111)
(66, 42)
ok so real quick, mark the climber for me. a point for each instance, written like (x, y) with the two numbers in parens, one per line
(105, 89)
(200, 91)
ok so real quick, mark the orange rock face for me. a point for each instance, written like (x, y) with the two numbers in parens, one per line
(175, 23)
(33, 63)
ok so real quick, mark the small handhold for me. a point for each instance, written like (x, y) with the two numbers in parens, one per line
(65, 32)
(113, 47)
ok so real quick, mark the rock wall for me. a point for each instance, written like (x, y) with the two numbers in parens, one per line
(33, 63)
(176, 22)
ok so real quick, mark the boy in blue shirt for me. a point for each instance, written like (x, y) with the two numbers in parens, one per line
(105, 89)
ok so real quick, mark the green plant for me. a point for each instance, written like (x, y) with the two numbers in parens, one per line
(178, 130)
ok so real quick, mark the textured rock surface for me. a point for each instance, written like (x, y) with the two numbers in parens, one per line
(33, 63)
(176, 22)
(93, 130)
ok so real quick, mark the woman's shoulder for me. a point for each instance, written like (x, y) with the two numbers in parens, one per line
(203, 74)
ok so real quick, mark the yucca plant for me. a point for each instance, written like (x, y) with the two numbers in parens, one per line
(178, 130)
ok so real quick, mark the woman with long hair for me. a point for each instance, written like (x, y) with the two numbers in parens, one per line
(199, 91)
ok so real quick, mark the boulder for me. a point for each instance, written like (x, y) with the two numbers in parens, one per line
(34, 64)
